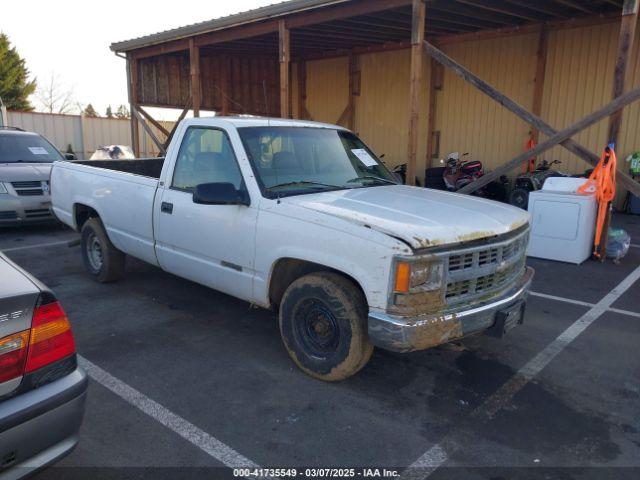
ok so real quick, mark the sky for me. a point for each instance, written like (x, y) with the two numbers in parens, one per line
(70, 39)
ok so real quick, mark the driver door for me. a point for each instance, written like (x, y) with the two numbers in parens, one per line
(209, 244)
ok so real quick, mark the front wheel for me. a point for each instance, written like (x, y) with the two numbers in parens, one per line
(103, 261)
(323, 326)
(519, 197)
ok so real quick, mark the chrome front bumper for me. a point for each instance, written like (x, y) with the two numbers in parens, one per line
(406, 334)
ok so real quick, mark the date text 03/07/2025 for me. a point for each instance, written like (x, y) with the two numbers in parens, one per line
(315, 473)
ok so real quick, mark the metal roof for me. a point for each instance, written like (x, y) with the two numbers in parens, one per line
(255, 15)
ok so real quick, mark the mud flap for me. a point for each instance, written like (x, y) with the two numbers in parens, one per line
(507, 319)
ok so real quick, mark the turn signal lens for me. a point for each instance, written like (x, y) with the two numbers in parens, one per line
(403, 277)
(13, 353)
(51, 337)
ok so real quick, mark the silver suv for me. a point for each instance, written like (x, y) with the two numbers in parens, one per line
(25, 168)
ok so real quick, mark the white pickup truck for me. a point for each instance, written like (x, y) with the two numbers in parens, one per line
(302, 217)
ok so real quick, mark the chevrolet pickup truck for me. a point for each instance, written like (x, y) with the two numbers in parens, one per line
(303, 218)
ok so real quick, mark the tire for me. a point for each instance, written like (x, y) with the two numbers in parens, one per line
(323, 326)
(103, 261)
(519, 197)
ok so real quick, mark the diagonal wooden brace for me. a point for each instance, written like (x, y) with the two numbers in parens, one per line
(147, 128)
(554, 140)
(533, 120)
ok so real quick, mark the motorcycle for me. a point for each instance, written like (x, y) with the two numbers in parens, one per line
(458, 174)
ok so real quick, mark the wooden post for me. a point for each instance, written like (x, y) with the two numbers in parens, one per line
(194, 64)
(354, 88)
(132, 85)
(625, 44)
(626, 37)
(435, 84)
(285, 59)
(415, 86)
(538, 88)
(534, 120)
(302, 90)
(224, 85)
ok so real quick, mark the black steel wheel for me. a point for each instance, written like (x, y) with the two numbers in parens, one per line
(323, 326)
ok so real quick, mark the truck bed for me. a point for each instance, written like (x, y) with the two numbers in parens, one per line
(147, 167)
(122, 192)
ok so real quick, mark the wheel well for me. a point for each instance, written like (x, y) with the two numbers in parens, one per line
(288, 270)
(82, 213)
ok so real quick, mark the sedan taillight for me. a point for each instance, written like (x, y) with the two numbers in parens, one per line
(51, 338)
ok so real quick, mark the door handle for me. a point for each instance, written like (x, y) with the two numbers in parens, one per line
(166, 207)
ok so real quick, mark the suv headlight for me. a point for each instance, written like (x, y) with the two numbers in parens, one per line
(417, 285)
(3, 188)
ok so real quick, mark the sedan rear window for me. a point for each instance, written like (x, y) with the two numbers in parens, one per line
(16, 148)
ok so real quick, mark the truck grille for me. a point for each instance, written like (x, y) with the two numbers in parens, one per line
(478, 272)
(31, 188)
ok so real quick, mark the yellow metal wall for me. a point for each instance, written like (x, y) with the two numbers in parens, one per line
(327, 88)
(470, 121)
(382, 107)
(578, 80)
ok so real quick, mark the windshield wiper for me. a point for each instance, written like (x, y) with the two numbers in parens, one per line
(303, 182)
(371, 177)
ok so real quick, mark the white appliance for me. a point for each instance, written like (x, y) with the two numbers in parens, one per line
(562, 221)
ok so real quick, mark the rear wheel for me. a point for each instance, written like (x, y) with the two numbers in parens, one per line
(323, 326)
(519, 197)
(103, 261)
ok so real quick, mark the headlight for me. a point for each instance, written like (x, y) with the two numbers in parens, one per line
(3, 188)
(418, 285)
(418, 275)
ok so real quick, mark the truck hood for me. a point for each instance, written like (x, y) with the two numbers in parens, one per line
(24, 172)
(421, 217)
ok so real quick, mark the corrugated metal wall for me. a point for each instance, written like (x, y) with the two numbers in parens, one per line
(578, 80)
(382, 108)
(84, 134)
(327, 88)
(470, 121)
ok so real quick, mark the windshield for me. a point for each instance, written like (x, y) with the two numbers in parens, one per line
(18, 148)
(295, 160)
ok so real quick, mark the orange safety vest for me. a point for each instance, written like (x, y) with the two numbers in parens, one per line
(602, 182)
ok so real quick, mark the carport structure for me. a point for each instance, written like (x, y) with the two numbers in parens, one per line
(362, 64)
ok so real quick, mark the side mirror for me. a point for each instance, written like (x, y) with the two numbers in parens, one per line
(70, 156)
(221, 193)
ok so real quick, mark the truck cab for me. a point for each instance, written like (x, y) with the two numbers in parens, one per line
(304, 218)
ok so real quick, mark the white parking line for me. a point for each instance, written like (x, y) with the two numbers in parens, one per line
(438, 454)
(38, 245)
(583, 304)
(201, 439)
(561, 299)
(635, 245)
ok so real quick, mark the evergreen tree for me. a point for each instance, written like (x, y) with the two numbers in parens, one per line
(89, 111)
(15, 87)
(109, 112)
(122, 112)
